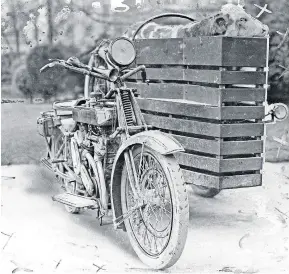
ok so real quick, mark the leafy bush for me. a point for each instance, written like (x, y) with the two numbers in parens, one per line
(278, 20)
(9, 62)
(22, 81)
(49, 82)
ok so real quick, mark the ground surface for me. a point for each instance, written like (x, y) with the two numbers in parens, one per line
(21, 143)
(240, 231)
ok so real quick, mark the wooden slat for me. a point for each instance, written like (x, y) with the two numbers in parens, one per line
(204, 76)
(225, 51)
(239, 130)
(243, 77)
(244, 52)
(204, 51)
(241, 164)
(220, 147)
(243, 94)
(200, 145)
(204, 128)
(242, 112)
(240, 181)
(185, 108)
(241, 147)
(196, 178)
(219, 165)
(199, 162)
(159, 51)
(191, 109)
(200, 94)
(224, 182)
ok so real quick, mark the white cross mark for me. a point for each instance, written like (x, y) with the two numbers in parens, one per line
(263, 9)
(241, 3)
(286, 70)
(280, 33)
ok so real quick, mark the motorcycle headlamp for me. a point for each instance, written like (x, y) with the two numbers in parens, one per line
(122, 51)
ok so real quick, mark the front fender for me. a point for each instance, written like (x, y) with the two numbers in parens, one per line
(156, 140)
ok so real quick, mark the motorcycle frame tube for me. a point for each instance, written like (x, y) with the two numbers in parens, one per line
(87, 78)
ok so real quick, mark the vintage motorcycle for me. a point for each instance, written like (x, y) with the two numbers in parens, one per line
(108, 159)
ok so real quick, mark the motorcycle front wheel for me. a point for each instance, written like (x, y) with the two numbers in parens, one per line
(157, 227)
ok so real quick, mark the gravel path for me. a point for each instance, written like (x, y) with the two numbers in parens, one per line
(239, 231)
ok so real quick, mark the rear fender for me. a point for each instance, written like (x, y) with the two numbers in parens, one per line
(156, 140)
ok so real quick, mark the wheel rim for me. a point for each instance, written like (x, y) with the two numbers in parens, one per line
(152, 223)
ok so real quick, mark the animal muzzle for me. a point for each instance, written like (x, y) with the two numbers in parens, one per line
(265, 30)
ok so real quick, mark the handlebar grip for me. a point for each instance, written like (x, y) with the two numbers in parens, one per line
(75, 62)
(134, 71)
(47, 66)
(144, 76)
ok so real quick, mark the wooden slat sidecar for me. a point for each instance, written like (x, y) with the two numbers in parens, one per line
(209, 93)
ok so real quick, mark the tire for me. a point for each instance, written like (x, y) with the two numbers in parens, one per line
(68, 187)
(175, 234)
(205, 192)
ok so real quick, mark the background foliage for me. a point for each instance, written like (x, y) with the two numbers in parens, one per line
(73, 27)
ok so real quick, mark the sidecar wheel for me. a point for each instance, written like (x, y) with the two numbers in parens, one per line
(158, 228)
(205, 192)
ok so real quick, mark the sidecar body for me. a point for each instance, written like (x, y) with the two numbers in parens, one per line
(210, 94)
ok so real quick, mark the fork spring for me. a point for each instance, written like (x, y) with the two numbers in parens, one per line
(127, 107)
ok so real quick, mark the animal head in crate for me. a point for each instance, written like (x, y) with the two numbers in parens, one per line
(232, 20)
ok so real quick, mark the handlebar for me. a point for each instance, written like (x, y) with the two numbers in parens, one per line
(111, 75)
(75, 65)
(134, 71)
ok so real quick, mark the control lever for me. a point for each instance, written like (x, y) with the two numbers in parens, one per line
(144, 76)
(75, 62)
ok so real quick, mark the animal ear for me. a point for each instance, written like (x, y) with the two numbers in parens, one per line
(221, 19)
(220, 24)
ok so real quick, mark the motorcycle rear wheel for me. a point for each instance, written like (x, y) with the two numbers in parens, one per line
(158, 229)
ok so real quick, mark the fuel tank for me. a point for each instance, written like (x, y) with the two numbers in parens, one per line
(97, 116)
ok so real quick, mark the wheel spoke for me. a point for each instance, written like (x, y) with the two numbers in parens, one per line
(151, 225)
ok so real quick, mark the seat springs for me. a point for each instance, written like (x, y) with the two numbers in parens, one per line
(127, 107)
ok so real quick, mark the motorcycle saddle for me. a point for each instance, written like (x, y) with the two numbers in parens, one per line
(64, 110)
(67, 105)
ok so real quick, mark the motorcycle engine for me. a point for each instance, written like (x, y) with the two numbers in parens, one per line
(92, 139)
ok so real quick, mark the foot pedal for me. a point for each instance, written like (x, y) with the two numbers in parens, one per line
(46, 163)
(106, 220)
(75, 200)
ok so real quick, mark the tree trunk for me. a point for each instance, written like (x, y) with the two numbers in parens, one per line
(105, 11)
(31, 98)
(15, 26)
(50, 21)
(7, 42)
(36, 30)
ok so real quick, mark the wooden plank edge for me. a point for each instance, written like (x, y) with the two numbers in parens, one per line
(226, 182)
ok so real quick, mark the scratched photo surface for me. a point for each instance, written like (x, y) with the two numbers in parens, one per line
(212, 77)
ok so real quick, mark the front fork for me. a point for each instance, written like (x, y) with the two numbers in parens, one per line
(133, 174)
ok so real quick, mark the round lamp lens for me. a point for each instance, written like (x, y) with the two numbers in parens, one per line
(122, 51)
(281, 111)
